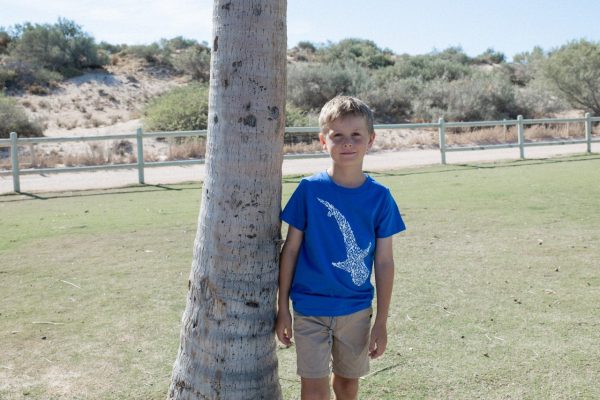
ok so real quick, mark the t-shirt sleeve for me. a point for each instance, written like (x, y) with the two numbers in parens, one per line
(294, 212)
(389, 221)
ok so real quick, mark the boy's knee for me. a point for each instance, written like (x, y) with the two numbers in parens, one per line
(314, 389)
(345, 388)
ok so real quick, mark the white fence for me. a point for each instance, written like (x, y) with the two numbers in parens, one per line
(14, 142)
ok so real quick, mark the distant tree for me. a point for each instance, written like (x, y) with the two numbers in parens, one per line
(360, 51)
(303, 51)
(453, 53)
(525, 66)
(63, 47)
(490, 56)
(573, 72)
(306, 46)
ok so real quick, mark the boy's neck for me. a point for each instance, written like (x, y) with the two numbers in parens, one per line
(347, 177)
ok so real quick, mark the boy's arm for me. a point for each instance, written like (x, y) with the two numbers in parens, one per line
(384, 282)
(287, 265)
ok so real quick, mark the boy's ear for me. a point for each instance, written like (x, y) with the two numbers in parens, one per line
(371, 139)
(322, 139)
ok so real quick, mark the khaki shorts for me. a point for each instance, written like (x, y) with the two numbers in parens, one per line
(340, 344)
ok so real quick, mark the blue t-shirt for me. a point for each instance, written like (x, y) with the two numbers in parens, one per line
(341, 226)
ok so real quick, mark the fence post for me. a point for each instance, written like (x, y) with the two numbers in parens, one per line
(14, 159)
(140, 155)
(442, 129)
(521, 136)
(588, 131)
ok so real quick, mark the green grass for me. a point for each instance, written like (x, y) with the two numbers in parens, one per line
(497, 290)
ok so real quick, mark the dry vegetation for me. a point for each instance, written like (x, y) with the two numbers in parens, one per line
(110, 101)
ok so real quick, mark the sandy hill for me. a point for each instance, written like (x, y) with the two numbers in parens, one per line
(101, 101)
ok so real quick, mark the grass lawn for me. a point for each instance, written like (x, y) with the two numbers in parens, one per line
(497, 288)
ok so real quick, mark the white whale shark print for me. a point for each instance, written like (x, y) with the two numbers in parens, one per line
(355, 262)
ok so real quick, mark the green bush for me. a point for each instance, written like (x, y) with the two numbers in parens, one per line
(526, 65)
(490, 56)
(8, 77)
(453, 54)
(14, 119)
(303, 51)
(151, 53)
(22, 75)
(537, 101)
(392, 102)
(5, 40)
(359, 51)
(573, 72)
(479, 97)
(312, 85)
(181, 109)
(423, 67)
(62, 47)
(194, 61)
(294, 116)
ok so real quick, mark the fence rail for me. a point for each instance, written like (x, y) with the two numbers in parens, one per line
(14, 142)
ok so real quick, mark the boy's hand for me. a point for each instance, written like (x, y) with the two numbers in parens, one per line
(283, 327)
(378, 341)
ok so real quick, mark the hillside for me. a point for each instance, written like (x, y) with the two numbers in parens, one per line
(103, 101)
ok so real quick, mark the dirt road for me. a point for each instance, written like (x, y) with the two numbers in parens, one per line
(379, 161)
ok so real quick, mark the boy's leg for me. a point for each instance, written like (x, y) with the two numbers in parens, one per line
(313, 339)
(314, 388)
(345, 388)
(350, 352)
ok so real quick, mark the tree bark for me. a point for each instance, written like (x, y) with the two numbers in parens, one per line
(227, 346)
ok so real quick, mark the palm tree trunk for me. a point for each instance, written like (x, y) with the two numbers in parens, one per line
(227, 347)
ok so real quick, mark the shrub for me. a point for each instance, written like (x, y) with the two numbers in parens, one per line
(194, 61)
(14, 119)
(295, 116)
(482, 96)
(181, 109)
(8, 77)
(526, 65)
(148, 52)
(62, 47)
(24, 75)
(490, 56)
(537, 101)
(5, 40)
(303, 51)
(454, 54)
(424, 67)
(312, 85)
(358, 51)
(392, 102)
(573, 72)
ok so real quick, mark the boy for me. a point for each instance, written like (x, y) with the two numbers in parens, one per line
(340, 222)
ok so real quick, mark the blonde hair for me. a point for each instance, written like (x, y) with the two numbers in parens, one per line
(342, 106)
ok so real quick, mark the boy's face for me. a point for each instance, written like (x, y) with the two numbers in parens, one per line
(347, 140)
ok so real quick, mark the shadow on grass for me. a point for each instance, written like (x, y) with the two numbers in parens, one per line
(24, 196)
(510, 164)
(448, 168)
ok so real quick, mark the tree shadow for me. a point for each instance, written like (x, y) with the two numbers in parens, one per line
(471, 166)
(26, 196)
